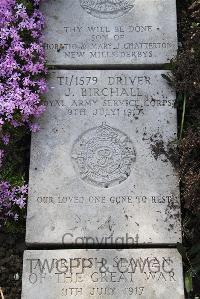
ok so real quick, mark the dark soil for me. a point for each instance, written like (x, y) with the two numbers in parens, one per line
(186, 70)
(11, 253)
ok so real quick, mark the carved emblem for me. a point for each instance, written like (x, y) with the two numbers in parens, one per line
(103, 156)
(107, 9)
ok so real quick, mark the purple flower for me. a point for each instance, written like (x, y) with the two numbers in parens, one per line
(20, 202)
(34, 128)
(6, 139)
(22, 77)
(23, 189)
(22, 66)
(12, 200)
(1, 157)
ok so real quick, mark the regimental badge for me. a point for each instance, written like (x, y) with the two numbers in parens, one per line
(107, 9)
(103, 156)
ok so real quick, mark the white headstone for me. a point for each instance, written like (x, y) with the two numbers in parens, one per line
(127, 32)
(84, 274)
(101, 170)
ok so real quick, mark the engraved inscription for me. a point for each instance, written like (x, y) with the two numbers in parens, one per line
(111, 32)
(107, 9)
(103, 274)
(103, 156)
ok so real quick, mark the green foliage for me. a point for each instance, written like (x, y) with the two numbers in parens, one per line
(15, 171)
(28, 4)
(13, 227)
(183, 115)
(15, 165)
(188, 282)
(191, 260)
(186, 81)
(180, 101)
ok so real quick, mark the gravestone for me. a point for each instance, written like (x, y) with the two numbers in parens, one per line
(98, 32)
(102, 169)
(84, 274)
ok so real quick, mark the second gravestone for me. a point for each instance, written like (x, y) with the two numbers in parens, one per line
(102, 169)
(99, 32)
(84, 274)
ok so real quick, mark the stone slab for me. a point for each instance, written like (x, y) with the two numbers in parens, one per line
(132, 273)
(127, 32)
(101, 167)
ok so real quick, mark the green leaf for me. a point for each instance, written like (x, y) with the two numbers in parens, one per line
(180, 98)
(183, 252)
(188, 282)
(183, 115)
(168, 78)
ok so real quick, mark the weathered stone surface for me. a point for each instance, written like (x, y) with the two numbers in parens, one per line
(101, 167)
(82, 32)
(132, 273)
